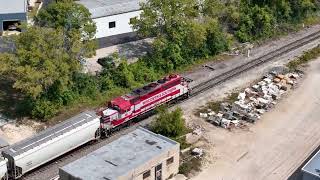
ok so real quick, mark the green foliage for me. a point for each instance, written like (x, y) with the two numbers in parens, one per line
(165, 18)
(260, 19)
(123, 77)
(142, 73)
(44, 109)
(170, 124)
(39, 61)
(85, 85)
(216, 40)
(256, 22)
(305, 58)
(181, 38)
(75, 21)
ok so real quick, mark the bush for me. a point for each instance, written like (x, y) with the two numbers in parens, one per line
(106, 62)
(142, 73)
(170, 124)
(85, 85)
(44, 109)
(193, 164)
(123, 77)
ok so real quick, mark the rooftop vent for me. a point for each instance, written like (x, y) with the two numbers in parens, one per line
(151, 142)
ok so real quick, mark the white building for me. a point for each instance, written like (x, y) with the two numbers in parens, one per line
(112, 17)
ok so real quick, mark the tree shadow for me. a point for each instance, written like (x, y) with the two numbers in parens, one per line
(134, 50)
(12, 102)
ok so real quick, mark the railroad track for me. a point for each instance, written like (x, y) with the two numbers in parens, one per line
(198, 89)
(50, 170)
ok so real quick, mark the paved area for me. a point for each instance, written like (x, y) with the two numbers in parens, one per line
(275, 146)
(131, 51)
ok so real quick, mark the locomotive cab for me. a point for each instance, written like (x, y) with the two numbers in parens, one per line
(117, 109)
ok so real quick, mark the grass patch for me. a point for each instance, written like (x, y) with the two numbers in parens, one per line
(194, 164)
(312, 20)
(305, 58)
(215, 106)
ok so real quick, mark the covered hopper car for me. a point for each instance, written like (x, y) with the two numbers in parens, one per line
(31, 153)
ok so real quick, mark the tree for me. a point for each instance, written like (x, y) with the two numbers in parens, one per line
(123, 77)
(170, 124)
(6, 61)
(216, 40)
(165, 18)
(76, 24)
(256, 22)
(39, 61)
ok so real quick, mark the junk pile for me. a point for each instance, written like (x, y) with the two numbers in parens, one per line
(253, 101)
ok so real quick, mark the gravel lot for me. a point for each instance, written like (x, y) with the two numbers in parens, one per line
(275, 146)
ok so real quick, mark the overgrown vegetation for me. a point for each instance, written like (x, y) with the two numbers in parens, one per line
(169, 124)
(172, 125)
(194, 164)
(305, 58)
(46, 65)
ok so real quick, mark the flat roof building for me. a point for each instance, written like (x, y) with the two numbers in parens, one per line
(11, 12)
(140, 154)
(311, 170)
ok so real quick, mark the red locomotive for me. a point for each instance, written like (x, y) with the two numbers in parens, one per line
(122, 110)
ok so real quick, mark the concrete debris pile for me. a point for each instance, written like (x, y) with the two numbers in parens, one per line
(253, 101)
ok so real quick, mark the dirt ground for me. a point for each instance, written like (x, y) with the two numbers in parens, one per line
(10, 132)
(273, 147)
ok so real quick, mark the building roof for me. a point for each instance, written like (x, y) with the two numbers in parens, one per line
(313, 165)
(13, 6)
(50, 133)
(121, 156)
(102, 8)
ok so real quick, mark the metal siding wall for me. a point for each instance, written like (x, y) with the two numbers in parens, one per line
(122, 24)
(8, 17)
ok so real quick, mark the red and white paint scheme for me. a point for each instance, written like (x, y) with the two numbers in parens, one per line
(123, 109)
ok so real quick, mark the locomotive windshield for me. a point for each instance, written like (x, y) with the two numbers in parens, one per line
(114, 107)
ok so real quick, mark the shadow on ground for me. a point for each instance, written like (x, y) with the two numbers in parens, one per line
(134, 50)
(12, 103)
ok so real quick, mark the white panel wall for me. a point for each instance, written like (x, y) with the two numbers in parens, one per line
(122, 24)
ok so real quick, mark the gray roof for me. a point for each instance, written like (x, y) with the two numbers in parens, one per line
(313, 165)
(13, 6)
(50, 133)
(102, 8)
(121, 156)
